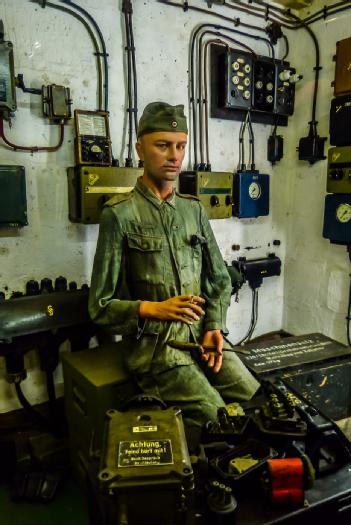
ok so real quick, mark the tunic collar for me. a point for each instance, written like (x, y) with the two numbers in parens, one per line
(150, 196)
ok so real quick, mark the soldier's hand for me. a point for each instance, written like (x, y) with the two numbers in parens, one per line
(213, 358)
(184, 308)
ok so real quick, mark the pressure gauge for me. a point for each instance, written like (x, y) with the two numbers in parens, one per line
(343, 213)
(254, 190)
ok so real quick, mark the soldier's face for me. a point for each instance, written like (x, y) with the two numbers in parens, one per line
(163, 153)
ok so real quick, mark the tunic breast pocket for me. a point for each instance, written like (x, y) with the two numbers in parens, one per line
(146, 258)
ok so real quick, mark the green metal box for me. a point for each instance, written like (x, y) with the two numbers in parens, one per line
(95, 380)
(13, 200)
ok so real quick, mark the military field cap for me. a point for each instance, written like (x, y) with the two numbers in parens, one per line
(160, 116)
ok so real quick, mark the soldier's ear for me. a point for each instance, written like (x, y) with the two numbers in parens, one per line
(140, 150)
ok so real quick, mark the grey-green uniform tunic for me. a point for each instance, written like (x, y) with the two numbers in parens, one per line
(144, 252)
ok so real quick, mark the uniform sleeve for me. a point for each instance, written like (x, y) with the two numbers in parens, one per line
(105, 306)
(215, 281)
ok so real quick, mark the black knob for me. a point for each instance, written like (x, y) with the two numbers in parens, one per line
(84, 287)
(32, 287)
(60, 284)
(72, 286)
(46, 285)
(214, 200)
(2, 296)
(228, 200)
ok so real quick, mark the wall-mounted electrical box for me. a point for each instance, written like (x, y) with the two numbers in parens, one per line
(242, 81)
(339, 170)
(339, 123)
(7, 80)
(92, 142)
(342, 79)
(250, 194)
(337, 218)
(56, 103)
(89, 187)
(13, 201)
(213, 189)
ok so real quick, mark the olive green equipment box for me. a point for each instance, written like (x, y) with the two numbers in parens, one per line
(145, 474)
(89, 187)
(95, 381)
(339, 170)
(213, 189)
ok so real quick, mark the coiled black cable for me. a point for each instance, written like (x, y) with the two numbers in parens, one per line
(103, 46)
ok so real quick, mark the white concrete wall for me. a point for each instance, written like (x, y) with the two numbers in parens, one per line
(316, 271)
(52, 47)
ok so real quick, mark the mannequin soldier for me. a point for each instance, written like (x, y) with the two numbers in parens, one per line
(159, 276)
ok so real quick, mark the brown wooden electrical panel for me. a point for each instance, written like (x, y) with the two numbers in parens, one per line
(342, 81)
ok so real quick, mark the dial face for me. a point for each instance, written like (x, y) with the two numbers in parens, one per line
(343, 213)
(254, 190)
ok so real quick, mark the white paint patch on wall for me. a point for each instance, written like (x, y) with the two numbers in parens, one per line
(53, 47)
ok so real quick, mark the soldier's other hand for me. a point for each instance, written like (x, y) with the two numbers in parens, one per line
(213, 358)
(184, 308)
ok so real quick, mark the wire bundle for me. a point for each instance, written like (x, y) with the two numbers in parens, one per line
(132, 85)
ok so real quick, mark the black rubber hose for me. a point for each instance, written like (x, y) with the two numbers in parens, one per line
(93, 39)
(103, 45)
(32, 413)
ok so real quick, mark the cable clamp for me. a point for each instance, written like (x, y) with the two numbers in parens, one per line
(129, 48)
(185, 6)
(325, 12)
(237, 22)
(43, 3)
(101, 54)
(266, 16)
(132, 110)
(317, 68)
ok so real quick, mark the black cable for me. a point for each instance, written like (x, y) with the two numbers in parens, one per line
(236, 21)
(242, 164)
(317, 68)
(93, 39)
(103, 45)
(252, 141)
(287, 49)
(135, 78)
(254, 316)
(129, 91)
